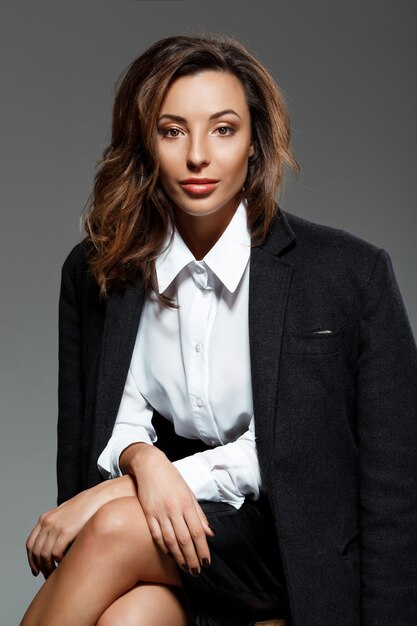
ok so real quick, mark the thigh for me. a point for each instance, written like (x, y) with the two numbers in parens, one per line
(147, 604)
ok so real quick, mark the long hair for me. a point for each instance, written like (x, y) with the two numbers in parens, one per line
(128, 213)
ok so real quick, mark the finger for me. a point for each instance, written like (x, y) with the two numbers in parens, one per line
(156, 533)
(207, 528)
(171, 543)
(39, 535)
(30, 542)
(37, 548)
(67, 547)
(59, 548)
(198, 535)
(46, 559)
(42, 550)
(186, 543)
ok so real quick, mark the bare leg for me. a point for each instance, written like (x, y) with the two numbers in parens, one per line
(147, 604)
(110, 555)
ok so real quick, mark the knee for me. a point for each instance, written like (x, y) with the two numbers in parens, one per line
(113, 520)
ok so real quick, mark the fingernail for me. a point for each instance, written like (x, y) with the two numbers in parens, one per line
(206, 563)
(194, 571)
(212, 529)
(185, 568)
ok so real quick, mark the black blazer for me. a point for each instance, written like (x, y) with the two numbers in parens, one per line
(335, 413)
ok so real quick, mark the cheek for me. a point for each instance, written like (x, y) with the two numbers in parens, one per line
(169, 154)
(234, 157)
(167, 167)
(235, 170)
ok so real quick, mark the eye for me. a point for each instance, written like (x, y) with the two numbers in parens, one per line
(165, 132)
(229, 130)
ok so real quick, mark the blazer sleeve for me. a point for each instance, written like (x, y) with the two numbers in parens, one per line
(387, 430)
(70, 383)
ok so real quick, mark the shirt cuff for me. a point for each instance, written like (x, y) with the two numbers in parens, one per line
(198, 477)
(108, 461)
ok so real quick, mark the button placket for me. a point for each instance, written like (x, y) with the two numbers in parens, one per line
(198, 366)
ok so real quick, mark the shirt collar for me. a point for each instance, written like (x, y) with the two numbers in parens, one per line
(227, 258)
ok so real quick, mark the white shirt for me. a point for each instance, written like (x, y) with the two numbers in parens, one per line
(192, 365)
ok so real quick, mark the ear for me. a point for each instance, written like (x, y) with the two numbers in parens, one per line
(251, 150)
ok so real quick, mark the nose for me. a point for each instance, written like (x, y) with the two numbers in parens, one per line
(198, 151)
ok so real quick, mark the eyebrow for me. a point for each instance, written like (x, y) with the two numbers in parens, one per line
(178, 118)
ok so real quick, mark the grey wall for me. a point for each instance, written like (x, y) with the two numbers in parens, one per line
(349, 73)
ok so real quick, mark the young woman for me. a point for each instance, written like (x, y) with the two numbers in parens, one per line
(245, 377)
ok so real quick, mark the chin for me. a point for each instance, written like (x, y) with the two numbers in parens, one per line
(205, 206)
(201, 210)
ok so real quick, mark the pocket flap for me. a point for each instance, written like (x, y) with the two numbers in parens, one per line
(314, 343)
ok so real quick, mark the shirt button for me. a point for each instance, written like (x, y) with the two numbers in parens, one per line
(212, 442)
(199, 402)
(197, 347)
(198, 270)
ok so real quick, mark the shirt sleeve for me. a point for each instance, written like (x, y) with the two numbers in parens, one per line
(226, 473)
(133, 425)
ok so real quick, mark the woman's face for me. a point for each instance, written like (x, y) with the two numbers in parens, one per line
(204, 132)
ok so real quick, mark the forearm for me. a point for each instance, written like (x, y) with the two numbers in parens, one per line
(111, 489)
(86, 503)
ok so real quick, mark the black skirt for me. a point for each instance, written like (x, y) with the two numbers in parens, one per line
(245, 581)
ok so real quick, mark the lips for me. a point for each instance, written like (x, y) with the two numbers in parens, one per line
(198, 181)
(199, 186)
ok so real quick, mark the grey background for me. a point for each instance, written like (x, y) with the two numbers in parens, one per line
(348, 71)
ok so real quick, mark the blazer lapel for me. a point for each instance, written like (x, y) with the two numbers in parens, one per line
(269, 284)
(123, 312)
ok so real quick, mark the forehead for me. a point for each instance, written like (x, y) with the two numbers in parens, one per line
(207, 92)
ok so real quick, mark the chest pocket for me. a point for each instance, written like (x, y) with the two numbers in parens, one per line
(314, 343)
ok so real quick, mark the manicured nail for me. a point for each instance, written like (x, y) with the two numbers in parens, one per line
(194, 571)
(212, 529)
(185, 568)
(206, 563)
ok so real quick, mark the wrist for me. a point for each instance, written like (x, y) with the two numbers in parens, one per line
(103, 493)
(133, 458)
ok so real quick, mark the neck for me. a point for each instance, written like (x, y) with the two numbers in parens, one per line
(201, 232)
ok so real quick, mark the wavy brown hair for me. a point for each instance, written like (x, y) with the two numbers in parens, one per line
(128, 212)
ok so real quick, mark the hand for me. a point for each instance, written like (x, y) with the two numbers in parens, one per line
(176, 521)
(56, 529)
